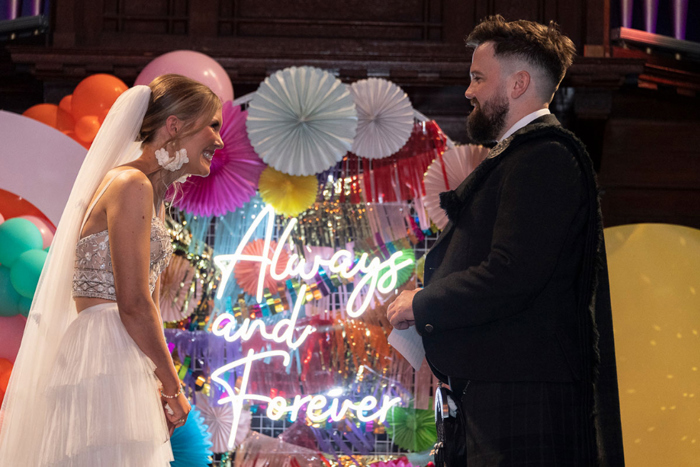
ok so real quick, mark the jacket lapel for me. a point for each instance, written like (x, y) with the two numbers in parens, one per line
(453, 201)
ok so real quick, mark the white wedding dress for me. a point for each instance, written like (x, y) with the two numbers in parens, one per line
(81, 392)
(104, 408)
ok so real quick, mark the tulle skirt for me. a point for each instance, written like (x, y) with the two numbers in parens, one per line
(104, 407)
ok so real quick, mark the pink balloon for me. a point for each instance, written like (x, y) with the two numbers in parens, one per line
(46, 231)
(11, 330)
(2, 219)
(194, 65)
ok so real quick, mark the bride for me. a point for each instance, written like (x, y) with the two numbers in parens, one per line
(94, 383)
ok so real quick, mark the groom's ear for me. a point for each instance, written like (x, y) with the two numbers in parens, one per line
(521, 82)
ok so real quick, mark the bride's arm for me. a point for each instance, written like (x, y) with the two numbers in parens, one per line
(129, 212)
(156, 295)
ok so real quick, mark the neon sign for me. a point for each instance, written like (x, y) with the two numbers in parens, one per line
(225, 326)
(340, 263)
(377, 275)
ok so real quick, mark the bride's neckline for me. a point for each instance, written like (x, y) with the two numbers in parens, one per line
(107, 230)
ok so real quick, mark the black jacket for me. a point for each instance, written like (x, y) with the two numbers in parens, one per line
(500, 292)
(516, 286)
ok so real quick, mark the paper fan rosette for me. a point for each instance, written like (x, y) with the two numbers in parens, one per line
(218, 418)
(247, 273)
(289, 195)
(420, 268)
(384, 118)
(447, 173)
(180, 290)
(403, 274)
(234, 172)
(302, 120)
(411, 429)
(191, 442)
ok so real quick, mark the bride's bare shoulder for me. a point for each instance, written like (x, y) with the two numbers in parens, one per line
(130, 186)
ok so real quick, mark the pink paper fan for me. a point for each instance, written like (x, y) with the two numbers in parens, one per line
(234, 175)
(248, 272)
(447, 173)
(218, 419)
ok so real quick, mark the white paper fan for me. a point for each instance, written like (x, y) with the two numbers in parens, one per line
(384, 118)
(302, 120)
(176, 300)
(458, 163)
(219, 418)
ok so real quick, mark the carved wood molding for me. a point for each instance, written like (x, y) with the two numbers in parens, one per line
(444, 67)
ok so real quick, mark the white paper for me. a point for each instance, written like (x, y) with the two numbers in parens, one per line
(409, 344)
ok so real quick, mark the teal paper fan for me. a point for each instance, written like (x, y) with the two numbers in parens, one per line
(191, 442)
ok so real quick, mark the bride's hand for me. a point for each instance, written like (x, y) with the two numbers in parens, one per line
(179, 410)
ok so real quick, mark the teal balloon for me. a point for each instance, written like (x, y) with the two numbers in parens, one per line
(25, 304)
(9, 298)
(25, 273)
(17, 236)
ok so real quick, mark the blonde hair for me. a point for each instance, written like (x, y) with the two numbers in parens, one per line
(187, 99)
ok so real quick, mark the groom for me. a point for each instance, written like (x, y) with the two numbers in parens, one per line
(515, 313)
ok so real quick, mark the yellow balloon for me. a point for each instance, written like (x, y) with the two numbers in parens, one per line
(655, 290)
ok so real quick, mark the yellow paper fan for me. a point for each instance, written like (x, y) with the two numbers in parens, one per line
(287, 194)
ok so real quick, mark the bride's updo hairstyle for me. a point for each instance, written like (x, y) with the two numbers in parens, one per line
(187, 99)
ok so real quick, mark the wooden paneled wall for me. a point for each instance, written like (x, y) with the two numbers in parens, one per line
(646, 144)
(650, 169)
(222, 24)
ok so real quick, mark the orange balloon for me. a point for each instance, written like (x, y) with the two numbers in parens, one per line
(86, 128)
(95, 95)
(51, 115)
(44, 113)
(103, 116)
(67, 103)
(64, 120)
(5, 370)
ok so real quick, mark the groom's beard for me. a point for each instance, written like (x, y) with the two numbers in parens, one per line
(486, 122)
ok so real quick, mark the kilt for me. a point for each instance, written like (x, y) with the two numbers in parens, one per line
(527, 424)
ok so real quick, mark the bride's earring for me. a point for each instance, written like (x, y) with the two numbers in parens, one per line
(175, 163)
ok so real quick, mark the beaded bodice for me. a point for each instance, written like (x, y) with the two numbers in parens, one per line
(93, 276)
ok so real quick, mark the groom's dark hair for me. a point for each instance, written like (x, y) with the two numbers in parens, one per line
(544, 47)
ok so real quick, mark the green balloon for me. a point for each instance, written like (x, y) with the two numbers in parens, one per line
(25, 273)
(9, 298)
(25, 304)
(18, 235)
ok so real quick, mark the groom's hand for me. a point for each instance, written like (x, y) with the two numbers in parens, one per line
(400, 312)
